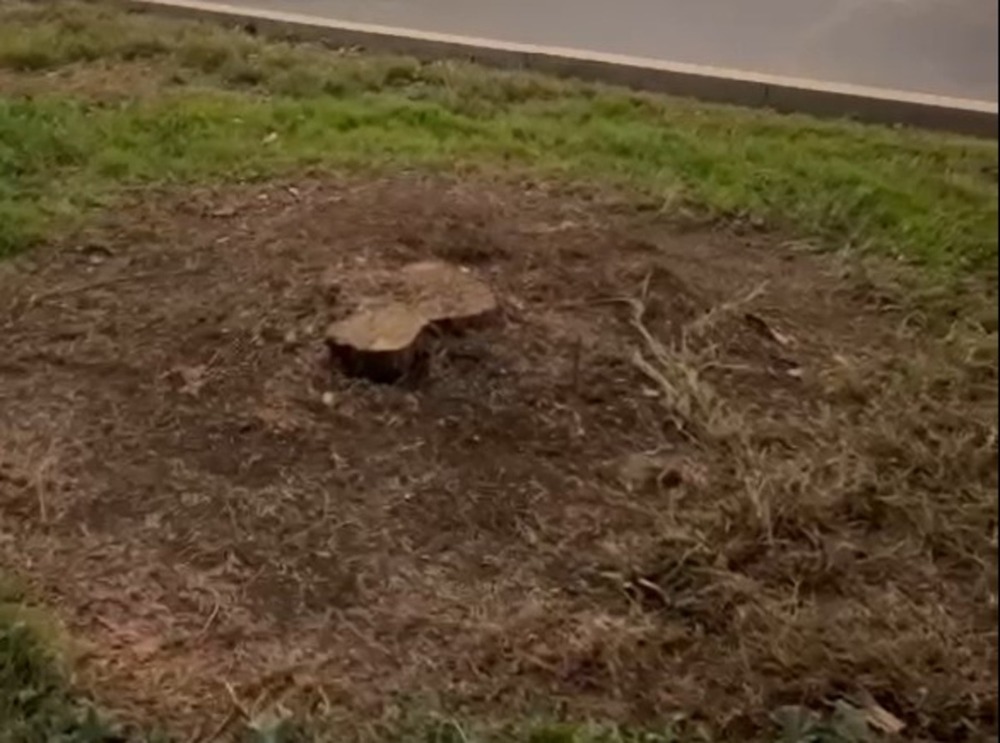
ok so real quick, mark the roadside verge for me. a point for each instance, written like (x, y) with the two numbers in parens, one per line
(718, 85)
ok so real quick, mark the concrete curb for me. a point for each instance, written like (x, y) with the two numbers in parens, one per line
(718, 85)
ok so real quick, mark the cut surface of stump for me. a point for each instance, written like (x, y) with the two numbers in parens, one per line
(386, 339)
(448, 296)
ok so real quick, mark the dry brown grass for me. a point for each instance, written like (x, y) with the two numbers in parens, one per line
(696, 475)
(833, 541)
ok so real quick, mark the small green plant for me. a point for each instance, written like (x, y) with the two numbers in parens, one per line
(846, 724)
(35, 703)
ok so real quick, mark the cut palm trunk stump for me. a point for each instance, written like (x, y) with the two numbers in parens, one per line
(387, 337)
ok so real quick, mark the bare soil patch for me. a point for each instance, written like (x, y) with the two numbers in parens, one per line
(683, 471)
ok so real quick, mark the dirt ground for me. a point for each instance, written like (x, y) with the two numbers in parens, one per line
(679, 475)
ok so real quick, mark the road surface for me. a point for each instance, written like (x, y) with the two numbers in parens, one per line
(942, 47)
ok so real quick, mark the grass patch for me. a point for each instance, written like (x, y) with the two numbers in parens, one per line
(36, 703)
(228, 106)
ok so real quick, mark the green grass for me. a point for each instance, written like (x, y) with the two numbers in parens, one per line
(231, 106)
(36, 703)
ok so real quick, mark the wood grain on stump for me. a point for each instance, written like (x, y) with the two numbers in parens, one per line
(386, 339)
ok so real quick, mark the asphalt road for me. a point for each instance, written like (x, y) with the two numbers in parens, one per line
(943, 47)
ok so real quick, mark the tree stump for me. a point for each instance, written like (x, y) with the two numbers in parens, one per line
(388, 337)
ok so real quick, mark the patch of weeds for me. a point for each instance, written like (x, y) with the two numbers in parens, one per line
(846, 724)
(35, 703)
